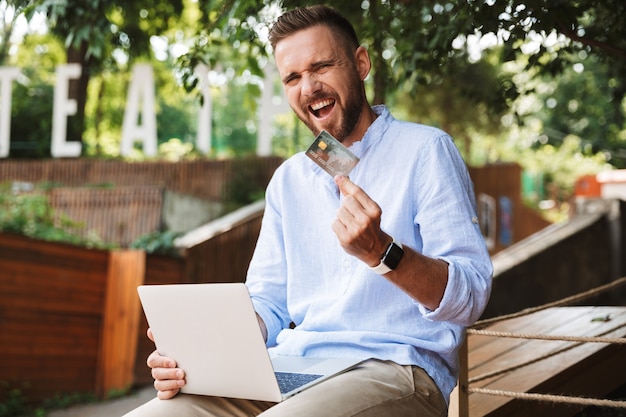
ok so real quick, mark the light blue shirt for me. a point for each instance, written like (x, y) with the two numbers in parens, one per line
(299, 273)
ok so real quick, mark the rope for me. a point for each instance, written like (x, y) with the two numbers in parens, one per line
(583, 339)
(535, 360)
(549, 397)
(561, 302)
(577, 339)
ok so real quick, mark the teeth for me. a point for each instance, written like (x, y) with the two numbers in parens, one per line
(321, 104)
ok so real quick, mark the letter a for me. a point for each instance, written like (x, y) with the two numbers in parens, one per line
(142, 82)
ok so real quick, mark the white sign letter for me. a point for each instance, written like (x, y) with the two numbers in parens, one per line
(63, 107)
(203, 141)
(7, 75)
(142, 81)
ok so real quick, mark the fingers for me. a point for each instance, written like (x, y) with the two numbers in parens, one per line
(150, 334)
(357, 225)
(355, 198)
(168, 379)
(346, 186)
(156, 360)
(168, 388)
(166, 395)
(358, 211)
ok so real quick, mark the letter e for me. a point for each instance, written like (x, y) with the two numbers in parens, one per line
(63, 107)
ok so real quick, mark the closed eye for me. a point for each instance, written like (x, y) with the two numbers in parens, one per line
(290, 79)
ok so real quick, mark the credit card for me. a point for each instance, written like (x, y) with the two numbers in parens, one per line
(331, 155)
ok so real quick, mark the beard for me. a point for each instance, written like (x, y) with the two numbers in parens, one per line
(348, 115)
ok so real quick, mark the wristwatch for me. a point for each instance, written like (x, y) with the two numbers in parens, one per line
(390, 259)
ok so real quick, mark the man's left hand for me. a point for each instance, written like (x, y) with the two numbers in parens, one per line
(357, 225)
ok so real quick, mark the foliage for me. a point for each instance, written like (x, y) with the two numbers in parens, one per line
(99, 33)
(246, 185)
(33, 93)
(580, 48)
(227, 38)
(10, 13)
(30, 139)
(61, 401)
(423, 43)
(235, 113)
(469, 100)
(176, 111)
(582, 102)
(157, 243)
(104, 25)
(596, 27)
(14, 403)
(26, 211)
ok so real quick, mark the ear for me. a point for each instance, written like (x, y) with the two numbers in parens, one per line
(363, 63)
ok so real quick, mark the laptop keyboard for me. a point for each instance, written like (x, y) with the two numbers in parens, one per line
(288, 381)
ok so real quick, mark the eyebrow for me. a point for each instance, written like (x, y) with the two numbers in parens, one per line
(313, 67)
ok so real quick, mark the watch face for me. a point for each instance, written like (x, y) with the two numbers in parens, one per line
(393, 255)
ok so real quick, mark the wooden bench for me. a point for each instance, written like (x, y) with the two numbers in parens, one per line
(530, 365)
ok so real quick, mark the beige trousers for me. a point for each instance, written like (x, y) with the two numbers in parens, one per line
(374, 388)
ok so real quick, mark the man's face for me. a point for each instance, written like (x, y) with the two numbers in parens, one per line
(323, 85)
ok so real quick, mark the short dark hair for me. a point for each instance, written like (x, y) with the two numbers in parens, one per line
(306, 17)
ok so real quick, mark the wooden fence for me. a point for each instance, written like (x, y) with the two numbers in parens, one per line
(118, 202)
(115, 216)
(203, 178)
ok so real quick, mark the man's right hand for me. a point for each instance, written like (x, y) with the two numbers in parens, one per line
(168, 379)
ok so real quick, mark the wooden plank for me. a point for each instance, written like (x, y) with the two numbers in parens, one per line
(120, 322)
(566, 372)
(504, 352)
(459, 399)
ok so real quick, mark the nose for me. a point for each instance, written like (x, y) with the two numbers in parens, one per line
(310, 85)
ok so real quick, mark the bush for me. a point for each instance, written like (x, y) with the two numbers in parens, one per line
(26, 211)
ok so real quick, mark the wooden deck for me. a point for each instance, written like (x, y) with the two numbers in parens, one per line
(545, 366)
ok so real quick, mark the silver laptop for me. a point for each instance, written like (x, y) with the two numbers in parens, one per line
(211, 330)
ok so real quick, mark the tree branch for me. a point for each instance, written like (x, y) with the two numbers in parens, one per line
(612, 50)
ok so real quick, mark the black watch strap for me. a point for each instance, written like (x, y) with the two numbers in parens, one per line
(390, 259)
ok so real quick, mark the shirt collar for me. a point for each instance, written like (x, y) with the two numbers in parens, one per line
(375, 132)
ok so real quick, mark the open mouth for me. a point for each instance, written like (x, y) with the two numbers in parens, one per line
(322, 108)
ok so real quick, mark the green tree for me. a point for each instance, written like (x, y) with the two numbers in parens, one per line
(94, 29)
(409, 41)
(10, 13)
(33, 95)
(581, 102)
(415, 43)
(579, 46)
